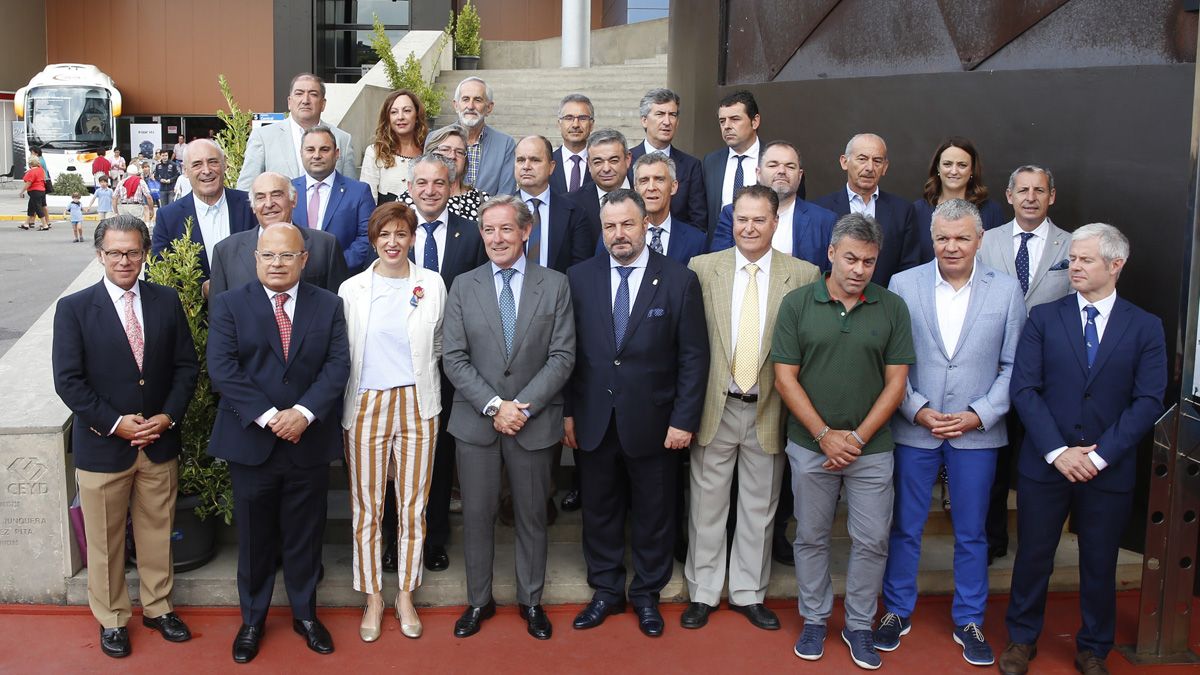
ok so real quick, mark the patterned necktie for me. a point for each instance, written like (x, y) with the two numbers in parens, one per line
(739, 176)
(621, 306)
(575, 174)
(1091, 336)
(133, 331)
(533, 249)
(431, 251)
(1023, 261)
(284, 323)
(745, 351)
(314, 207)
(656, 240)
(508, 310)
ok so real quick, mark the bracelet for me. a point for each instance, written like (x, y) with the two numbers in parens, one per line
(821, 435)
(861, 442)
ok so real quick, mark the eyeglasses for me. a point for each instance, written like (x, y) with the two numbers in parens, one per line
(448, 150)
(571, 119)
(131, 256)
(271, 258)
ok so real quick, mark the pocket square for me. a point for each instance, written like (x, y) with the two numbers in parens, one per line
(1060, 265)
(657, 311)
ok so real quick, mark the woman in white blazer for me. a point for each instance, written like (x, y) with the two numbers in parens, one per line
(390, 416)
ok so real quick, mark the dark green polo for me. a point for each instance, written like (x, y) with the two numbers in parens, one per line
(842, 355)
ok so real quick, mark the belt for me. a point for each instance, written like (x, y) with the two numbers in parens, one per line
(748, 398)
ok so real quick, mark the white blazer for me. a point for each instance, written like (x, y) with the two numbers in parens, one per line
(424, 336)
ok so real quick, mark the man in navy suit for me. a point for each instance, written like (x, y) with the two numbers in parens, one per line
(731, 168)
(125, 364)
(279, 358)
(659, 110)
(865, 163)
(635, 400)
(654, 181)
(575, 119)
(608, 160)
(1088, 383)
(215, 210)
(556, 218)
(333, 202)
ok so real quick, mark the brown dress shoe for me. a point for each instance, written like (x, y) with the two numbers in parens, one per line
(1090, 663)
(1016, 657)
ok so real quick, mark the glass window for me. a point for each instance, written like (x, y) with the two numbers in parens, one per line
(69, 117)
(390, 12)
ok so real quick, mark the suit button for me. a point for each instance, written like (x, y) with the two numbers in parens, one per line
(141, 383)
(609, 391)
(285, 381)
(1078, 427)
(506, 373)
(951, 367)
(1087, 396)
(617, 362)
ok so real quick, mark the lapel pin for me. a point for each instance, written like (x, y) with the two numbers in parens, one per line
(456, 235)
(655, 282)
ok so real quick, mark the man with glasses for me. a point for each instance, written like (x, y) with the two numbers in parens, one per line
(659, 110)
(576, 116)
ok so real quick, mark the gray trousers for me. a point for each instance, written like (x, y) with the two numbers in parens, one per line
(479, 479)
(869, 496)
(759, 476)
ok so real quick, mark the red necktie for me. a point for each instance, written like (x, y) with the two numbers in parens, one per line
(285, 324)
(133, 330)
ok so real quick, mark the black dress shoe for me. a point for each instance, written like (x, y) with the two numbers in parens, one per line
(114, 642)
(436, 559)
(170, 625)
(318, 639)
(995, 552)
(649, 620)
(570, 501)
(388, 562)
(536, 620)
(758, 614)
(696, 615)
(596, 612)
(245, 645)
(468, 624)
(781, 549)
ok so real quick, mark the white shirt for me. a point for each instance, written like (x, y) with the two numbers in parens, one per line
(213, 222)
(1036, 244)
(439, 237)
(326, 190)
(118, 297)
(289, 308)
(749, 175)
(665, 237)
(858, 205)
(951, 306)
(741, 279)
(600, 192)
(387, 355)
(782, 239)
(635, 277)
(650, 148)
(1105, 308)
(516, 283)
(544, 219)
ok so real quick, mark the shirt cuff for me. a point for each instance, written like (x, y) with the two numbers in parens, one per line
(1053, 454)
(305, 411)
(116, 424)
(493, 401)
(524, 410)
(262, 419)
(1097, 460)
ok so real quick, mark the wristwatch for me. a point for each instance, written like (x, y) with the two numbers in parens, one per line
(170, 419)
(491, 409)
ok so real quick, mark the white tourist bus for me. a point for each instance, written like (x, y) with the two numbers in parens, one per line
(69, 111)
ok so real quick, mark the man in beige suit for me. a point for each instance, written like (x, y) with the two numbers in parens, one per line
(742, 424)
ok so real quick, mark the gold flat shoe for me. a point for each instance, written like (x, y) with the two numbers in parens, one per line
(370, 633)
(410, 630)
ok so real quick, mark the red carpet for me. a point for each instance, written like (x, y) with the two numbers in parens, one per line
(63, 639)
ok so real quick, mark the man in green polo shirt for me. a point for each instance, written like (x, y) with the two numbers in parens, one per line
(842, 348)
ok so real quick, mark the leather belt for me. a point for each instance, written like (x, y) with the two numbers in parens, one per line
(747, 398)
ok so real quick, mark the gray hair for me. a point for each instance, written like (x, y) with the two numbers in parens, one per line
(487, 88)
(621, 195)
(654, 97)
(1113, 244)
(654, 158)
(207, 141)
(122, 223)
(318, 129)
(291, 187)
(957, 209)
(603, 136)
(524, 216)
(856, 137)
(859, 227)
(431, 158)
(1030, 168)
(576, 98)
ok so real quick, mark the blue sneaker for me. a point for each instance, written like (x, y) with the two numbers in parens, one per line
(976, 650)
(891, 627)
(862, 648)
(811, 645)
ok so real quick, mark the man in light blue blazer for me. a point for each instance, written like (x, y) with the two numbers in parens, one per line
(966, 322)
(329, 201)
(490, 152)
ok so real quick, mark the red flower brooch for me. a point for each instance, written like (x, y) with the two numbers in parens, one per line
(418, 293)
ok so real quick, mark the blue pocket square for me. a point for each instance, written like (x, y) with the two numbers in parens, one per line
(1060, 265)
(657, 311)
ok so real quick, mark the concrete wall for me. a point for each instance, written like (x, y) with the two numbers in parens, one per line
(609, 46)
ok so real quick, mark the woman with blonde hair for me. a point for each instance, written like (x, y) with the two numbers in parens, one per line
(399, 138)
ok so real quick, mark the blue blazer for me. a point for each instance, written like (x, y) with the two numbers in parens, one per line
(246, 364)
(657, 379)
(688, 203)
(812, 227)
(899, 222)
(977, 376)
(346, 216)
(168, 223)
(464, 249)
(684, 243)
(566, 219)
(1062, 402)
(588, 203)
(558, 179)
(989, 212)
(97, 377)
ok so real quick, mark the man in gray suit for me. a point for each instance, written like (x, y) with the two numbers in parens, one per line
(490, 152)
(966, 321)
(276, 147)
(273, 198)
(1032, 250)
(509, 347)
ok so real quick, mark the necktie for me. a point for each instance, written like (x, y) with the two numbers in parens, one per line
(431, 252)
(314, 207)
(1023, 261)
(1091, 337)
(133, 331)
(739, 176)
(534, 248)
(284, 323)
(621, 306)
(745, 351)
(508, 310)
(575, 174)
(656, 240)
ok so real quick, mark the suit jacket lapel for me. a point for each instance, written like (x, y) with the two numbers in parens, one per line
(531, 296)
(603, 289)
(1114, 331)
(1006, 250)
(152, 311)
(928, 303)
(723, 304)
(489, 304)
(109, 322)
(261, 305)
(1052, 252)
(244, 255)
(982, 285)
(557, 231)
(1068, 313)
(337, 191)
(777, 285)
(301, 318)
(285, 130)
(646, 292)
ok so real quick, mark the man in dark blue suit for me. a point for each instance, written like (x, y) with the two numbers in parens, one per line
(654, 181)
(804, 228)
(731, 168)
(1089, 378)
(340, 205)
(608, 160)
(125, 364)
(659, 110)
(556, 218)
(215, 211)
(635, 400)
(865, 163)
(279, 358)
(575, 119)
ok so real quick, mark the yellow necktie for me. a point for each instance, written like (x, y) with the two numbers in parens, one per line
(745, 351)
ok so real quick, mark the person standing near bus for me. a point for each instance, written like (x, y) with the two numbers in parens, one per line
(35, 189)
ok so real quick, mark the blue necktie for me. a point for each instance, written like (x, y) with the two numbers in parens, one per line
(1091, 337)
(431, 252)
(656, 240)
(621, 306)
(739, 176)
(508, 310)
(1023, 261)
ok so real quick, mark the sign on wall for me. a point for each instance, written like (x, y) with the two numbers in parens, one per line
(144, 139)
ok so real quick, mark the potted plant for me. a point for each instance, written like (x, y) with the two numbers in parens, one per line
(466, 38)
(408, 76)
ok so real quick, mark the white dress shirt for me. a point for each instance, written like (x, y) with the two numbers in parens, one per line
(749, 174)
(289, 308)
(858, 205)
(544, 219)
(600, 192)
(650, 148)
(782, 239)
(665, 237)
(387, 355)
(951, 307)
(326, 190)
(741, 279)
(439, 237)
(635, 277)
(1036, 244)
(118, 297)
(213, 221)
(297, 143)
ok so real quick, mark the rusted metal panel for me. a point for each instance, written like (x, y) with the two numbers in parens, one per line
(763, 35)
(981, 27)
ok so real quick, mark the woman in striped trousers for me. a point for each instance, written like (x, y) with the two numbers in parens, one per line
(390, 415)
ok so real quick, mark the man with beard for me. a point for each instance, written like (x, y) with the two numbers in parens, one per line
(490, 152)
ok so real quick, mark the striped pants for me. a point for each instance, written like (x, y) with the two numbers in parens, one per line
(388, 436)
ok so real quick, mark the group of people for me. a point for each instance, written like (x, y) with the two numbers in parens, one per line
(483, 301)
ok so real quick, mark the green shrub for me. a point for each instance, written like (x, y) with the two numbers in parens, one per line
(68, 182)
(408, 76)
(236, 133)
(466, 31)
